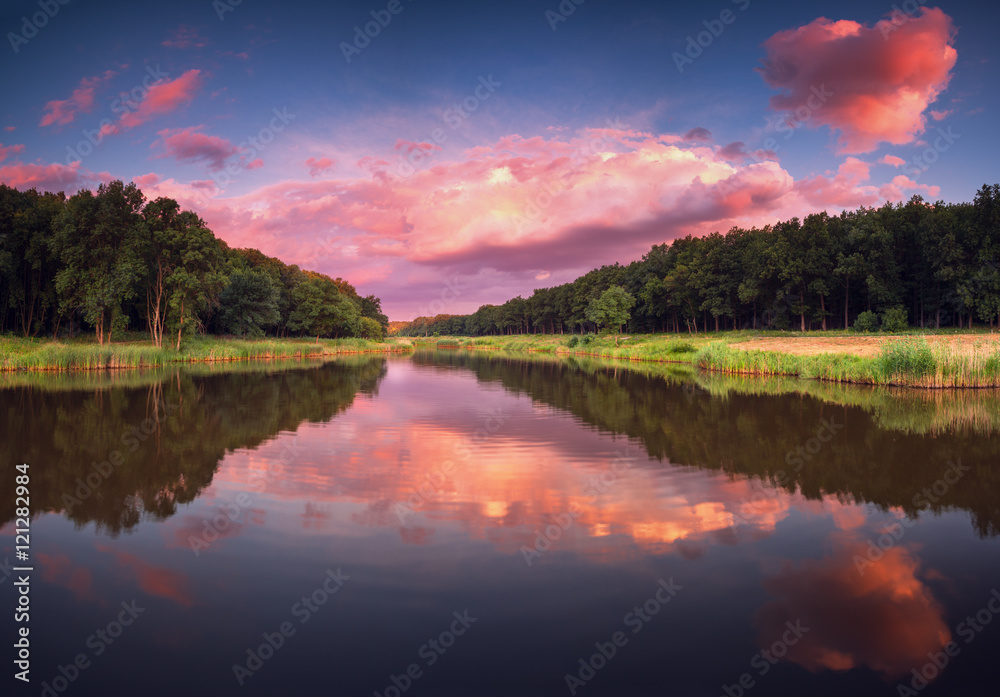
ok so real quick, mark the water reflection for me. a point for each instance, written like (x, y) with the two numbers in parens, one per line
(547, 495)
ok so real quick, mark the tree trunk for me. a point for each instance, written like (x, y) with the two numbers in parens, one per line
(180, 327)
(802, 309)
(822, 308)
(847, 302)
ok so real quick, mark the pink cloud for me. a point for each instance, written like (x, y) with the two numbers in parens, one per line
(512, 210)
(319, 166)
(698, 135)
(9, 149)
(872, 84)
(189, 145)
(161, 99)
(941, 115)
(51, 177)
(10, 128)
(64, 111)
(185, 37)
(255, 164)
(901, 183)
(892, 160)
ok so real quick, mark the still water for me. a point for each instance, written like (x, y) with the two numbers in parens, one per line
(453, 523)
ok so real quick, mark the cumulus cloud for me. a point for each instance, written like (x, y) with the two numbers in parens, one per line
(63, 111)
(870, 84)
(698, 135)
(518, 208)
(892, 160)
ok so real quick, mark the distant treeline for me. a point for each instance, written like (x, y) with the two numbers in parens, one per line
(930, 265)
(112, 261)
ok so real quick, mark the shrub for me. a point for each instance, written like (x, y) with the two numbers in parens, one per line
(866, 322)
(680, 346)
(587, 340)
(894, 320)
(573, 341)
(907, 358)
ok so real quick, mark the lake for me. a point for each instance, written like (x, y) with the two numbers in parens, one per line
(458, 523)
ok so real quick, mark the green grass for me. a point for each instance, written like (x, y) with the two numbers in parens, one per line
(909, 362)
(38, 354)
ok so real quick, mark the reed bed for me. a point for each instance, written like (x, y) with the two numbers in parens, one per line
(34, 355)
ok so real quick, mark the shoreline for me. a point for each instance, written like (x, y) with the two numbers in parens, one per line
(953, 361)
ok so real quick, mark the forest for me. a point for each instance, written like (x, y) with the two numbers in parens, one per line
(929, 265)
(111, 261)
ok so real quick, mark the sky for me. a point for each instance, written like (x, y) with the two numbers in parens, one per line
(444, 155)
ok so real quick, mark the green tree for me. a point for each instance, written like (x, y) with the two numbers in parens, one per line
(320, 309)
(99, 241)
(611, 309)
(249, 303)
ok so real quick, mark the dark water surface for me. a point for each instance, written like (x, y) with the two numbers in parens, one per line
(479, 524)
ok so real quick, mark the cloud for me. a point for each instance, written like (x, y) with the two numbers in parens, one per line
(892, 160)
(64, 111)
(319, 166)
(191, 146)
(506, 212)
(9, 149)
(872, 84)
(10, 128)
(185, 37)
(698, 135)
(885, 619)
(161, 99)
(941, 115)
(51, 177)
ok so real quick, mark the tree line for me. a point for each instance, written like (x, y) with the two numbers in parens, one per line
(112, 261)
(928, 265)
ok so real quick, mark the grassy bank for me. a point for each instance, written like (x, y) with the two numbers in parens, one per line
(909, 362)
(904, 360)
(32, 354)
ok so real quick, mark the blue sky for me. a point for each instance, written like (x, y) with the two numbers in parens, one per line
(584, 145)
